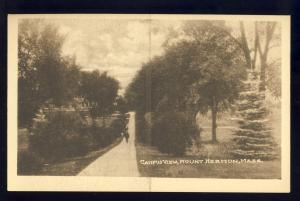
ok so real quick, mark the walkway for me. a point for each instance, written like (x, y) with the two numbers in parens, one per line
(119, 161)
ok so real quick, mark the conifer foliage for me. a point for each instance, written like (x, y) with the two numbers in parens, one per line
(253, 137)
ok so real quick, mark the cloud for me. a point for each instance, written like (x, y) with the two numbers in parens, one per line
(116, 46)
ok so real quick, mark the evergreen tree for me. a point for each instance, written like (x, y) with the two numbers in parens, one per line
(254, 136)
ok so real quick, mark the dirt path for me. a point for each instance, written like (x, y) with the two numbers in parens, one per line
(120, 161)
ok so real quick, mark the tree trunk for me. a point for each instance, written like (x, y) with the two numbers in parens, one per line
(270, 27)
(245, 47)
(214, 120)
(214, 126)
(263, 74)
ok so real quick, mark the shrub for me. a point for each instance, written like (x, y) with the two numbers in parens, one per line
(172, 132)
(140, 128)
(118, 125)
(104, 136)
(62, 135)
(100, 136)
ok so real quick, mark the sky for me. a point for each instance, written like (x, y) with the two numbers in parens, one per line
(119, 47)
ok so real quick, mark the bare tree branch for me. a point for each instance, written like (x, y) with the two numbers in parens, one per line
(258, 40)
(244, 45)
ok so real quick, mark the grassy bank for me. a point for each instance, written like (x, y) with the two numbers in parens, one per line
(264, 170)
(65, 148)
(73, 166)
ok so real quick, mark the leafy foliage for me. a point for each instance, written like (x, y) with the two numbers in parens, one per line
(66, 134)
(43, 74)
(104, 136)
(164, 81)
(273, 81)
(201, 72)
(63, 135)
(173, 132)
(100, 91)
(220, 62)
(121, 105)
(221, 65)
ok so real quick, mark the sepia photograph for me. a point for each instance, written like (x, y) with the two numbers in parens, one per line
(149, 97)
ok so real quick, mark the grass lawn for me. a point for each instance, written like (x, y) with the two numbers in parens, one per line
(264, 170)
(73, 166)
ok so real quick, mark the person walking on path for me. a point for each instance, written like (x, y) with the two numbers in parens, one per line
(126, 134)
(119, 161)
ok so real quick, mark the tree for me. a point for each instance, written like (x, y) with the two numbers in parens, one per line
(121, 105)
(253, 137)
(51, 66)
(71, 78)
(163, 86)
(201, 72)
(43, 74)
(28, 101)
(221, 65)
(263, 39)
(100, 90)
(263, 51)
(171, 76)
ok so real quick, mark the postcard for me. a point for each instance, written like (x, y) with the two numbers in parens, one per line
(147, 102)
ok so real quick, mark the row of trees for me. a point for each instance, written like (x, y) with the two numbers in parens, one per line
(46, 76)
(204, 71)
(201, 73)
